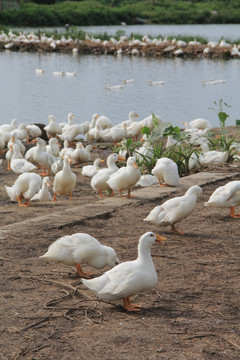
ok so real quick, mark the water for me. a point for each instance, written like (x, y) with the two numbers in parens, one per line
(211, 32)
(30, 98)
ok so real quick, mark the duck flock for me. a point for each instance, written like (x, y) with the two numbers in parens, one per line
(135, 47)
(47, 158)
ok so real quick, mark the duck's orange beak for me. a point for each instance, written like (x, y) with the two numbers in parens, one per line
(160, 239)
(121, 158)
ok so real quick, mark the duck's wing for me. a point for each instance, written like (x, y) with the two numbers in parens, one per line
(116, 282)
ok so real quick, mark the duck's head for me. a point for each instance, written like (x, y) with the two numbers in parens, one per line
(195, 189)
(149, 238)
(131, 161)
(133, 114)
(51, 118)
(112, 259)
(70, 116)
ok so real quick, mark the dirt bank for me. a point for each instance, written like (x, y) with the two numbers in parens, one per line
(193, 313)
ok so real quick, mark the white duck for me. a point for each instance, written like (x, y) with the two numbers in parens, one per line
(91, 170)
(53, 147)
(9, 127)
(176, 209)
(57, 165)
(81, 248)
(66, 150)
(134, 130)
(150, 120)
(199, 123)
(170, 141)
(94, 120)
(43, 194)
(126, 177)
(99, 181)
(81, 154)
(64, 180)
(17, 164)
(15, 140)
(30, 152)
(146, 150)
(69, 123)
(147, 180)
(94, 133)
(130, 277)
(104, 122)
(53, 128)
(9, 153)
(21, 132)
(227, 196)
(71, 132)
(115, 134)
(33, 132)
(132, 117)
(166, 170)
(43, 158)
(25, 187)
(195, 161)
(213, 155)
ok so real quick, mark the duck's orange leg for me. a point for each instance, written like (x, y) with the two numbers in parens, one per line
(27, 203)
(44, 172)
(20, 204)
(129, 194)
(232, 214)
(100, 193)
(54, 197)
(161, 184)
(130, 306)
(19, 200)
(81, 273)
(175, 231)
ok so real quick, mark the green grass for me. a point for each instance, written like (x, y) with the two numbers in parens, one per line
(113, 12)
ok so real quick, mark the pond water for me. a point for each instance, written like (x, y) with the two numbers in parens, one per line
(30, 97)
(213, 32)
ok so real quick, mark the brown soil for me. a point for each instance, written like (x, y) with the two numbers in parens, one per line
(193, 313)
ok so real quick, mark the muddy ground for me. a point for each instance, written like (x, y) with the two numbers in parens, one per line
(47, 313)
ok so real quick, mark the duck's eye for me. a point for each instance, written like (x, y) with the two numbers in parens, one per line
(152, 235)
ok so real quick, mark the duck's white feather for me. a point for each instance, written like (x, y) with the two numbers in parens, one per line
(166, 170)
(127, 278)
(81, 248)
(175, 209)
(226, 196)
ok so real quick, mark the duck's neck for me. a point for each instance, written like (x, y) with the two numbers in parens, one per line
(111, 164)
(144, 254)
(66, 167)
(16, 155)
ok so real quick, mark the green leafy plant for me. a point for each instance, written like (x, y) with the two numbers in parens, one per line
(223, 141)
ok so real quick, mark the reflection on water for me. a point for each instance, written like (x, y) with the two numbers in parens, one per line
(30, 97)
